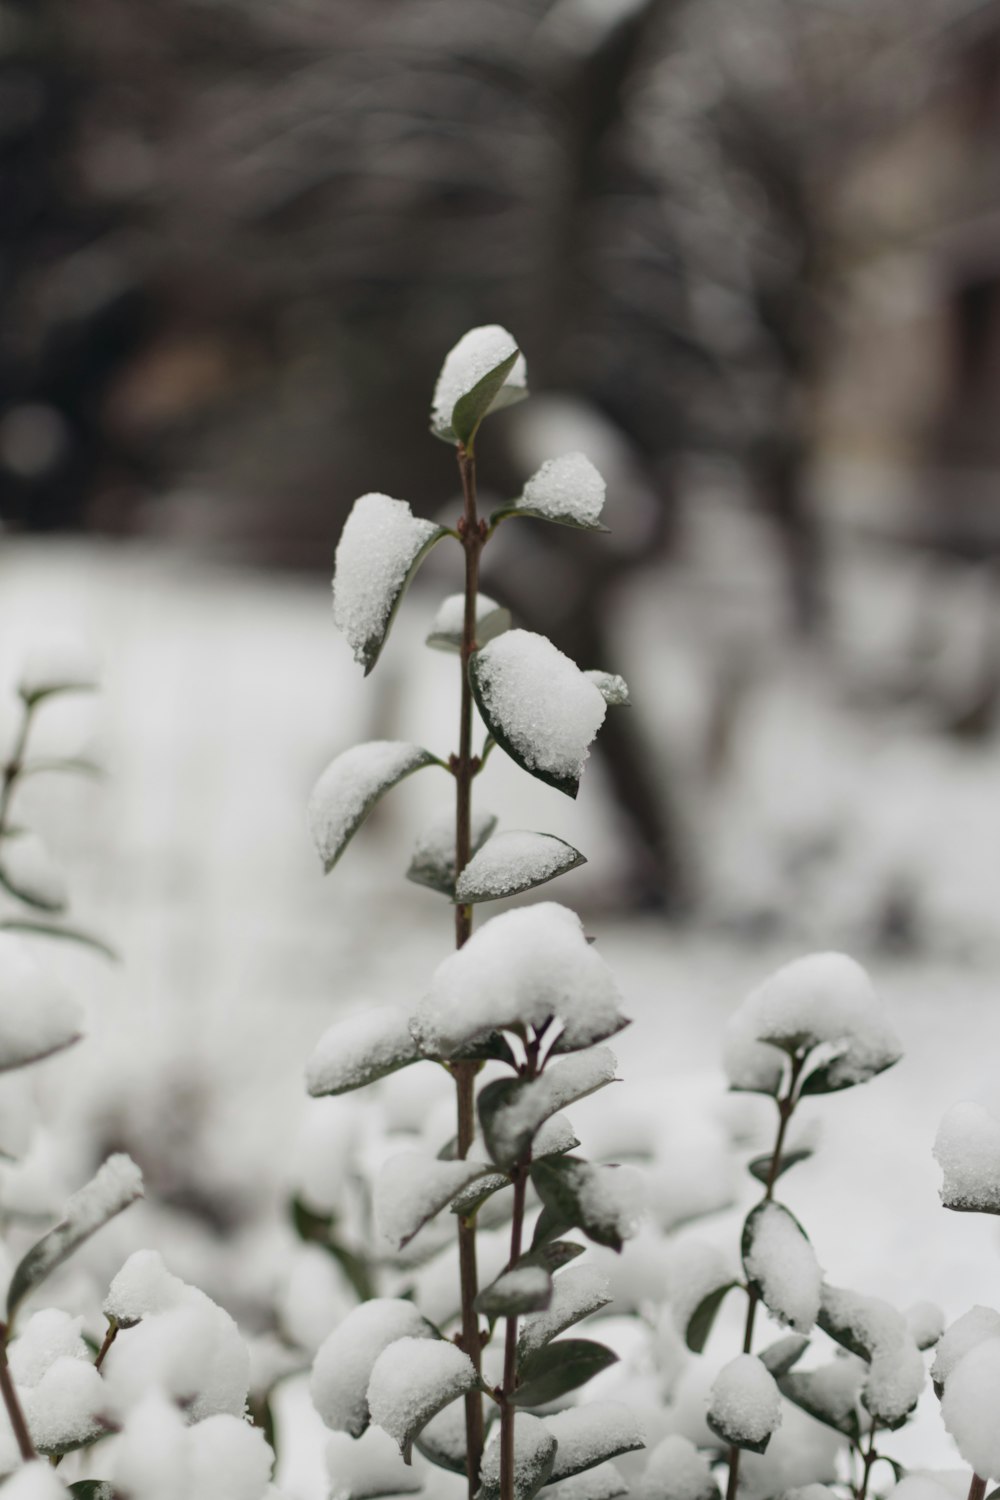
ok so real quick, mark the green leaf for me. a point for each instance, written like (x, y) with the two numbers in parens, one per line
(370, 651)
(470, 409)
(701, 1320)
(525, 1289)
(448, 626)
(780, 1356)
(433, 861)
(71, 765)
(92, 1489)
(476, 1194)
(35, 928)
(360, 1050)
(564, 1045)
(117, 1184)
(827, 1078)
(555, 1369)
(578, 1293)
(570, 1190)
(613, 689)
(491, 1048)
(553, 1255)
(736, 1441)
(71, 1445)
(350, 787)
(532, 513)
(534, 1455)
(812, 1392)
(590, 1435)
(402, 1405)
(511, 1110)
(760, 1167)
(513, 862)
(442, 1441)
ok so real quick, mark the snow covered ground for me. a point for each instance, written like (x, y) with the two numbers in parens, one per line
(225, 695)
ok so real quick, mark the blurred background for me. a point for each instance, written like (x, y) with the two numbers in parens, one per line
(751, 250)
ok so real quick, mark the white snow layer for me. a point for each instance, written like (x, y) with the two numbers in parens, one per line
(343, 1365)
(566, 488)
(361, 1047)
(577, 1292)
(925, 1320)
(676, 1471)
(57, 664)
(35, 1481)
(230, 1460)
(520, 968)
(414, 1378)
(433, 859)
(477, 353)
(64, 1406)
(822, 999)
(413, 1186)
(970, 1407)
(745, 1402)
(896, 1372)
(369, 1466)
(603, 1482)
(589, 1434)
(380, 542)
(540, 701)
(350, 784)
(47, 1336)
(559, 1085)
(967, 1148)
(448, 624)
(514, 861)
(36, 1017)
(27, 866)
(534, 1446)
(782, 1261)
(972, 1328)
(612, 1198)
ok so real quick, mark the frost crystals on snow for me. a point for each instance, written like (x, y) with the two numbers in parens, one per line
(968, 1150)
(36, 1018)
(521, 968)
(476, 354)
(568, 490)
(538, 705)
(534, 1453)
(360, 1049)
(745, 1404)
(589, 1435)
(351, 785)
(343, 1366)
(379, 550)
(412, 1380)
(972, 1328)
(514, 862)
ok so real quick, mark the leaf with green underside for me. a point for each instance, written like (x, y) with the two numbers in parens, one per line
(350, 787)
(513, 862)
(71, 1445)
(553, 1255)
(811, 1391)
(735, 1440)
(556, 1369)
(561, 1047)
(590, 1435)
(525, 1289)
(472, 1198)
(113, 1188)
(614, 689)
(92, 1489)
(577, 1293)
(360, 1050)
(563, 1183)
(35, 928)
(470, 409)
(780, 1356)
(826, 1080)
(433, 861)
(491, 1048)
(534, 1456)
(512, 1110)
(531, 513)
(520, 752)
(760, 1167)
(447, 627)
(367, 648)
(442, 1441)
(701, 1320)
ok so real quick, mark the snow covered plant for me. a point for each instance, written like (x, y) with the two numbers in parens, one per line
(966, 1370)
(517, 1011)
(813, 1028)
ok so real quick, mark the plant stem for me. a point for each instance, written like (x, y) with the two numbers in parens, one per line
(786, 1108)
(868, 1460)
(977, 1489)
(13, 1405)
(12, 769)
(470, 535)
(507, 1408)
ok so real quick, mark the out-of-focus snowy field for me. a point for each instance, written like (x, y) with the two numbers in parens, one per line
(226, 693)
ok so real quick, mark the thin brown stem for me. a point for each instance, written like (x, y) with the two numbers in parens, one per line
(507, 1408)
(470, 535)
(11, 1402)
(868, 1459)
(109, 1339)
(977, 1489)
(786, 1108)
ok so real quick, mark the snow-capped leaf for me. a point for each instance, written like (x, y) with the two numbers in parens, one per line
(701, 1320)
(475, 1195)
(29, 872)
(830, 1078)
(760, 1166)
(780, 1356)
(412, 1380)
(967, 1148)
(382, 545)
(344, 1361)
(442, 1441)
(603, 1482)
(512, 862)
(553, 1370)
(433, 860)
(92, 1489)
(534, 1455)
(745, 1404)
(565, 1042)
(448, 625)
(412, 1187)
(538, 706)
(577, 1293)
(567, 490)
(598, 1200)
(522, 1290)
(613, 688)
(781, 1265)
(553, 1255)
(511, 1110)
(830, 1394)
(483, 372)
(36, 1017)
(592, 1434)
(356, 1051)
(350, 787)
(115, 1185)
(677, 1471)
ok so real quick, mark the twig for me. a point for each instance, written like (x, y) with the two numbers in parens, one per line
(13, 1405)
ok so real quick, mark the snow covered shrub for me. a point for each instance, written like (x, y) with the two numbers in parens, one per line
(516, 1016)
(155, 1407)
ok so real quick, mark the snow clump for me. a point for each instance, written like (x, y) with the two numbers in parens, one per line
(967, 1148)
(566, 488)
(676, 1471)
(971, 1404)
(350, 784)
(378, 546)
(477, 353)
(783, 1264)
(343, 1366)
(745, 1403)
(359, 1049)
(414, 1378)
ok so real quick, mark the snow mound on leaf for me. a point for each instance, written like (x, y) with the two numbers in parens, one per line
(477, 353)
(969, 1407)
(566, 486)
(543, 704)
(745, 1401)
(343, 1365)
(967, 1148)
(414, 1378)
(379, 544)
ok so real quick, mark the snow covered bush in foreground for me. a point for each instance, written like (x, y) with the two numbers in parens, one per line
(516, 1015)
(155, 1408)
